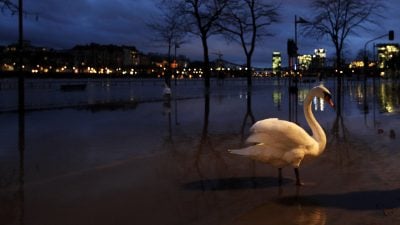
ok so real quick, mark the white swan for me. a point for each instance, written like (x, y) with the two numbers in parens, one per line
(166, 90)
(282, 143)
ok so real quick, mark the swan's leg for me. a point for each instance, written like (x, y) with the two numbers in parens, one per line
(280, 176)
(296, 171)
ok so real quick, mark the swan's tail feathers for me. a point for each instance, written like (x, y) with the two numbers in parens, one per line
(239, 151)
(248, 151)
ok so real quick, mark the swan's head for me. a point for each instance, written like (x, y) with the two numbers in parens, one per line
(322, 92)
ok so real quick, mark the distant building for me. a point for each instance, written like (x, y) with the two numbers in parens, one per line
(131, 56)
(356, 64)
(319, 58)
(385, 54)
(314, 62)
(276, 63)
(34, 59)
(95, 56)
(304, 61)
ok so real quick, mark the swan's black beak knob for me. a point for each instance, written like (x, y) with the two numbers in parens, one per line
(328, 99)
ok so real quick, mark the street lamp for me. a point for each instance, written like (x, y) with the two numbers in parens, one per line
(296, 21)
(292, 52)
(390, 35)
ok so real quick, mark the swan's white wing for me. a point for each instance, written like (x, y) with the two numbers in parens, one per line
(273, 156)
(280, 134)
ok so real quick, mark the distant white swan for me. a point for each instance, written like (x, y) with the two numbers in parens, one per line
(282, 143)
(166, 90)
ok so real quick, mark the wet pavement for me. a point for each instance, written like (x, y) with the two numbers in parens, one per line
(165, 161)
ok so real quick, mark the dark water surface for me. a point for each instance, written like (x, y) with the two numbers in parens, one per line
(118, 152)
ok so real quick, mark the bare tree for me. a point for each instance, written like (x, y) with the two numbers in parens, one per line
(170, 30)
(246, 22)
(9, 6)
(339, 18)
(201, 17)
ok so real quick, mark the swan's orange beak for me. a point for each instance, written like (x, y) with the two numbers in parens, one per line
(328, 99)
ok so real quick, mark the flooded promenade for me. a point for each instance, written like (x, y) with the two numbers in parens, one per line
(116, 151)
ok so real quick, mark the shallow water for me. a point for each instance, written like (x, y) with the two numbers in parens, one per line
(74, 158)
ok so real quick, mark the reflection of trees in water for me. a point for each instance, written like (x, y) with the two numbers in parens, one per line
(339, 130)
(341, 138)
(205, 163)
(340, 135)
(12, 194)
(206, 146)
(249, 114)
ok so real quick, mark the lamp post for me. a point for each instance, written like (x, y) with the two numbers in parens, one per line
(391, 37)
(292, 53)
(296, 21)
(21, 99)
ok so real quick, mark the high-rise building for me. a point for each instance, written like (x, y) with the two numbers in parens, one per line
(312, 62)
(319, 58)
(304, 61)
(276, 63)
(320, 52)
(386, 53)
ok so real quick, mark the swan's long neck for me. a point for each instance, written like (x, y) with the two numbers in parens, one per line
(317, 131)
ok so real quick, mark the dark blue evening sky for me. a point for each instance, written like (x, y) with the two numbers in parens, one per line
(63, 24)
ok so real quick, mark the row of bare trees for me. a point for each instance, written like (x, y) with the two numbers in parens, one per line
(337, 19)
(241, 21)
(247, 22)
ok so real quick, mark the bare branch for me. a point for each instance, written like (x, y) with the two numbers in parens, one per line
(7, 5)
(247, 21)
(339, 18)
(200, 17)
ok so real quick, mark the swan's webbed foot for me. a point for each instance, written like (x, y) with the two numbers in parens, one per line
(298, 182)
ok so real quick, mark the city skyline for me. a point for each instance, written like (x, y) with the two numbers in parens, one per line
(124, 22)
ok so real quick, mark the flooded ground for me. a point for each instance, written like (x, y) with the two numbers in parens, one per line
(118, 152)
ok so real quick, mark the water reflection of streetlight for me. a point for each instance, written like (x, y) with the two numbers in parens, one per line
(388, 96)
(277, 98)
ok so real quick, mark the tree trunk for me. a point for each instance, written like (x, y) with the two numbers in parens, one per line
(168, 72)
(249, 71)
(206, 65)
(338, 59)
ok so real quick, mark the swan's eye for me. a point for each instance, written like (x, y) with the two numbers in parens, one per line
(328, 99)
